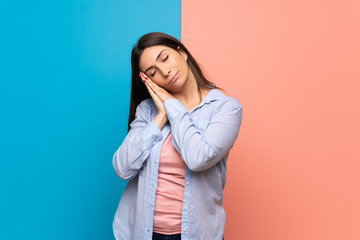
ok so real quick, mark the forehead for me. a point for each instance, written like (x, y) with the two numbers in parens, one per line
(148, 57)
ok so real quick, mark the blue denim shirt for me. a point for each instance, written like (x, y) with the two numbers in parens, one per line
(203, 138)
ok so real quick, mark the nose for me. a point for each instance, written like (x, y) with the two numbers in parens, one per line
(165, 72)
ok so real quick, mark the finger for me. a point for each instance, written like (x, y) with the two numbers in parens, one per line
(148, 88)
(153, 86)
(146, 82)
(143, 79)
(143, 76)
(160, 92)
(156, 88)
(152, 93)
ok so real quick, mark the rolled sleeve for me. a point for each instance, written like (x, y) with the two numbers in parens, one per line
(150, 135)
(137, 145)
(202, 151)
(174, 108)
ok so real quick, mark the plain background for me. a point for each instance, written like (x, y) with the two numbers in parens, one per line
(294, 171)
(64, 95)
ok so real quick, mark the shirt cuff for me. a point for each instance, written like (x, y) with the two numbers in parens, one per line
(173, 108)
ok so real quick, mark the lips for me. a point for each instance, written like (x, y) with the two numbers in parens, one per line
(173, 78)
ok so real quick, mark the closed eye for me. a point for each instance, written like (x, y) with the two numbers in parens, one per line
(163, 61)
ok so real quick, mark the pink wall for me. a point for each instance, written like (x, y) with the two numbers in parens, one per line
(294, 172)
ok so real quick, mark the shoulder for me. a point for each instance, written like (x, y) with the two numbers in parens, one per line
(224, 100)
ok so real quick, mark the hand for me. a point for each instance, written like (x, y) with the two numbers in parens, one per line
(161, 117)
(160, 92)
(158, 103)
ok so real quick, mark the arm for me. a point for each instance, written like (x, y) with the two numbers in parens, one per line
(137, 145)
(201, 152)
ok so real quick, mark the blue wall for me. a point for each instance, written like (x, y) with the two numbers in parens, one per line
(64, 95)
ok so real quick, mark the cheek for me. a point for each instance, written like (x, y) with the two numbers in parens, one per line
(183, 65)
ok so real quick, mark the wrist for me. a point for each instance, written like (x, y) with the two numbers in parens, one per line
(161, 114)
(161, 119)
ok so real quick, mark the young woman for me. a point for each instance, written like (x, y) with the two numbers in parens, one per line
(181, 129)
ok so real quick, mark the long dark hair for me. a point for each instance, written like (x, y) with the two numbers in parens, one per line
(139, 91)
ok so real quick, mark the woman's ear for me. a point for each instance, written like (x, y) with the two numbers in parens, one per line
(182, 53)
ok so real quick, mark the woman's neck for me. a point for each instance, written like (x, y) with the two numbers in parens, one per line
(189, 95)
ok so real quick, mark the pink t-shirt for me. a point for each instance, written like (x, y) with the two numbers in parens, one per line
(170, 190)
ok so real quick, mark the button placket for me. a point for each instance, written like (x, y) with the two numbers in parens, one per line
(185, 212)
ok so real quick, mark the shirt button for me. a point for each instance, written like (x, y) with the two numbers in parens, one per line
(184, 230)
(154, 142)
(184, 207)
(187, 182)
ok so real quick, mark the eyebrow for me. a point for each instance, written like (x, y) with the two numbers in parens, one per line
(156, 60)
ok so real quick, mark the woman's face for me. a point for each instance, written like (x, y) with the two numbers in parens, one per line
(162, 64)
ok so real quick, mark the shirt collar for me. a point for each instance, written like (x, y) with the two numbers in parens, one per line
(211, 96)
